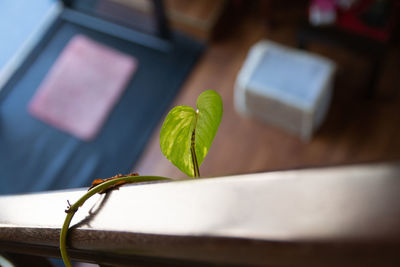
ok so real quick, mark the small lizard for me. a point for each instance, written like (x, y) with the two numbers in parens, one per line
(96, 182)
(114, 186)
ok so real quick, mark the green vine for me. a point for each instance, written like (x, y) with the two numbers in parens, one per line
(185, 138)
(97, 189)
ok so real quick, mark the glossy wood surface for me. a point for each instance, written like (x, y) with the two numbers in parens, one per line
(344, 216)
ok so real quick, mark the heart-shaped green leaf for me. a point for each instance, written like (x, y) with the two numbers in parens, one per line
(185, 129)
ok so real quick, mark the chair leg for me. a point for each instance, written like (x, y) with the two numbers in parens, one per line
(373, 82)
(302, 40)
(301, 44)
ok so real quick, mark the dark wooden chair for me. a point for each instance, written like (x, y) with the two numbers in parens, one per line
(371, 42)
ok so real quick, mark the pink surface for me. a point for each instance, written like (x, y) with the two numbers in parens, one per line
(82, 87)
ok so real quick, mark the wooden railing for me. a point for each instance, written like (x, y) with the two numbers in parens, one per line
(341, 216)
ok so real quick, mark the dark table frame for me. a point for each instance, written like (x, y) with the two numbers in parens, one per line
(160, 41)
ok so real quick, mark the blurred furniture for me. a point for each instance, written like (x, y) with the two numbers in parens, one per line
(198, 18)
(31, 21)
(361, 30)
(286, 87)
(114, 17)
(334, 216)
(52, 156)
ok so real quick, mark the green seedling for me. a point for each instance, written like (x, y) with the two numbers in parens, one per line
(185, 138)
(186, 134)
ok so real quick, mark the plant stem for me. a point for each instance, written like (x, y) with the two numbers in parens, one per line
(195, 163)
(194, 158)
(73, 208)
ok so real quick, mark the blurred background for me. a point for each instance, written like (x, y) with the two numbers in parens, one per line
(179, 49)
(362, 123)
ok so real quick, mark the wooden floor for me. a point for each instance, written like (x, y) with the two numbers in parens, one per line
(356, 129)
